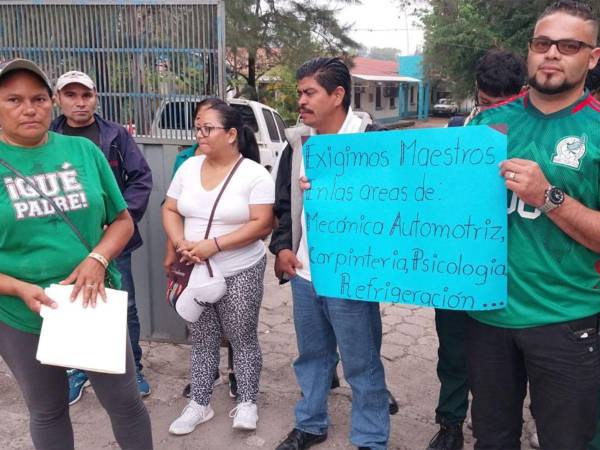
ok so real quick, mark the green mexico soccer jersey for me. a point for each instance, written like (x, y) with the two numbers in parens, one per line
(36, 245)
(551, 277)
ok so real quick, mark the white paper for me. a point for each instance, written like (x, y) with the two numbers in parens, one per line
(84, 338)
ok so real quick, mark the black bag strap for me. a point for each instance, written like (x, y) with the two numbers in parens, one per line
(59, 211)
(212, 213)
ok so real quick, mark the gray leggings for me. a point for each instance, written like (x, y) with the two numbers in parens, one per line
(45, 390)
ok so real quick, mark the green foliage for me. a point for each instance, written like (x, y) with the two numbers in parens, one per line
(281, 95)
(459, 32)
(289, 32)
(266, 34)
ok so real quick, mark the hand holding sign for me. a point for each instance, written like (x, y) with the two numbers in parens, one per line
(304, 184)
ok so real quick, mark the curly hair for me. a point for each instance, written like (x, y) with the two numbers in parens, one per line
(592, 82)
(500, 73)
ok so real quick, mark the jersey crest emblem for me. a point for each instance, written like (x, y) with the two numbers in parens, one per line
(569, 151)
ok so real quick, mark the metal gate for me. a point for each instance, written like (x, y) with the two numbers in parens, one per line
(140, 53)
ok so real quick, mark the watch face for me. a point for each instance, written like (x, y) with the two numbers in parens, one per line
(556, 196)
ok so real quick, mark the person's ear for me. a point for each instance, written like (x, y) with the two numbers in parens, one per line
(232, 135)
(594, 57)
(339, 93)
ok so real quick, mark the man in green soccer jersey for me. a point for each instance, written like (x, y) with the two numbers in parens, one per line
(499, 76)
(548, 333)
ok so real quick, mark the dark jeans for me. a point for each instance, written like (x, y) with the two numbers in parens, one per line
(451, 327)
(46, 393)
(123, 262)
(561, 362)
(595, 443)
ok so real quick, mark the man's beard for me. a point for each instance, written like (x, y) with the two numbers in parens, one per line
(553, 90)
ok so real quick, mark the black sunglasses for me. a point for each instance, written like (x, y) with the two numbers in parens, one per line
(564, 46)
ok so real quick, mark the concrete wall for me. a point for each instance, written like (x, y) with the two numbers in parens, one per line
(159, 322)
(411, 66)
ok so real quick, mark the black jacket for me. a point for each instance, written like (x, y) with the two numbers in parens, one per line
(129, 166)
(281, 238)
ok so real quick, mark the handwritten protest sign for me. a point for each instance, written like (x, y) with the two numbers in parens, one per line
(416, 216)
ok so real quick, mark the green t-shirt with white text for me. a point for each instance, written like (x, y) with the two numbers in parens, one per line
(36, 245)
(551, 277)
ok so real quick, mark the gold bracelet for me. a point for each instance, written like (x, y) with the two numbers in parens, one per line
(101, 259)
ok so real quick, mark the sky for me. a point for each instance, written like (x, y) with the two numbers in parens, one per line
(381, 23)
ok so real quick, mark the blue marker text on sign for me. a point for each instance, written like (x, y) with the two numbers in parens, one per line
(415, 217)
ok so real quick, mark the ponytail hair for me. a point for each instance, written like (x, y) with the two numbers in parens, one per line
(231, 118)
(248, 145)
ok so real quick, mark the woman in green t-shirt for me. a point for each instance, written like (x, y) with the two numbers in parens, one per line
(42, 172)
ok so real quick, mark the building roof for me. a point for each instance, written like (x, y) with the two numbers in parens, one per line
(368, 66)
(377, 70)
(387, 78)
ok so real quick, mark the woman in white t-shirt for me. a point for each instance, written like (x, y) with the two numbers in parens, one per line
(242, 218)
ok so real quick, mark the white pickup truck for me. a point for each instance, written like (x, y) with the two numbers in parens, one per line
(174, 120)
(445, 107)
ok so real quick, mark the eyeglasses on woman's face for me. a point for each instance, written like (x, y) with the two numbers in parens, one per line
(206, 130)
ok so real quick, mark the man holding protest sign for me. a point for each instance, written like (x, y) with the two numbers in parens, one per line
(548, 333)
(499, 75)
(322, 323)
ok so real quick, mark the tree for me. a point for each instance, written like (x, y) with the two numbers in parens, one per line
(262, 34)
(383, 53)
(459, 32)
(282, 95)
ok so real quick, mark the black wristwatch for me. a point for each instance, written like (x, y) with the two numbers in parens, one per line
(554, 198)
